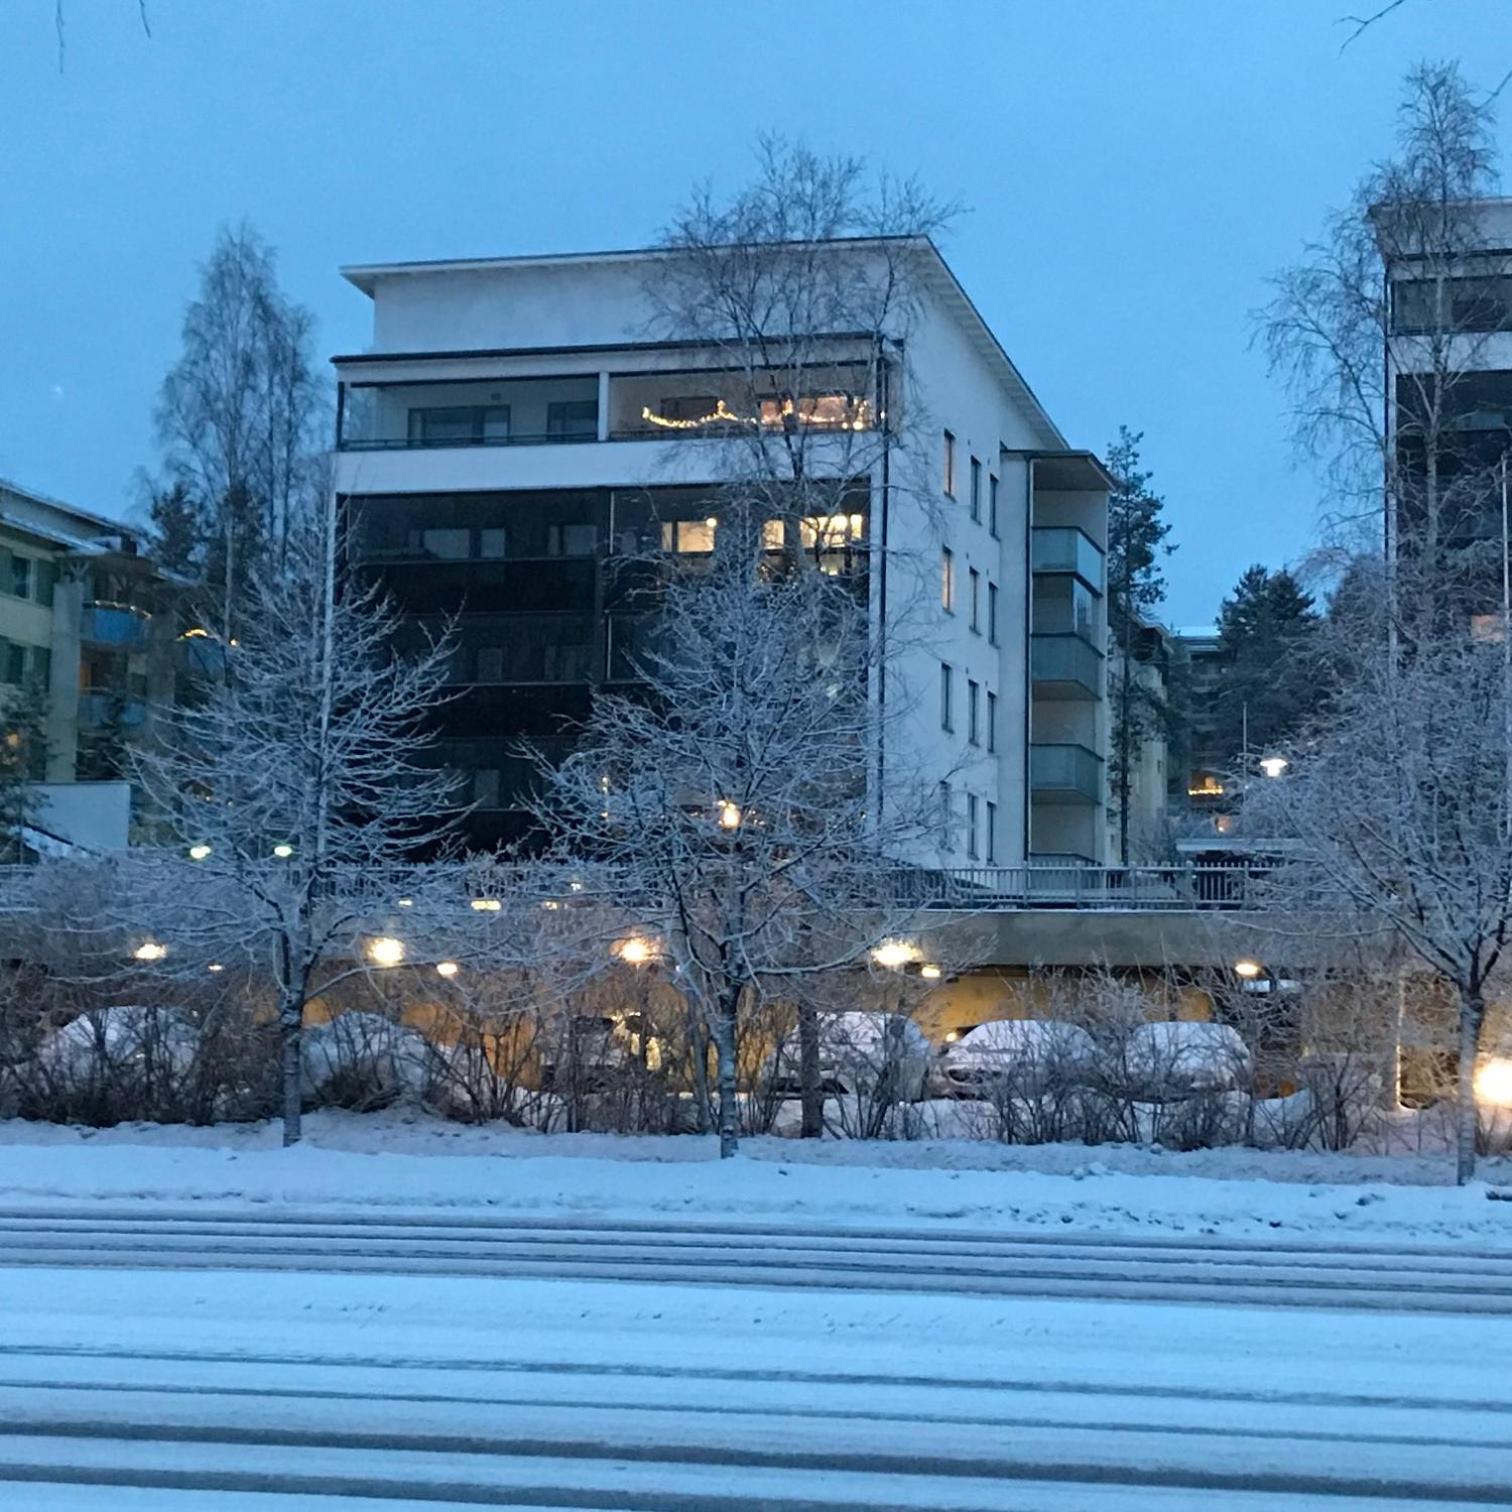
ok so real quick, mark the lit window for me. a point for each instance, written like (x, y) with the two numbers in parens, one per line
(689, 537)
(773, 534)
(829, 532)
(976, 490)
(823, 411)
(976, 601)
(947, 685)
(949, 465)
(971, 826)
(947, 579)
(973, 702)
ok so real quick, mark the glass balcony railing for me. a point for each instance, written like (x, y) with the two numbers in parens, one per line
(115, 625)
(1060, 548)
(1065, 666)
(99, 708)
(1065, 774)
(484, 412)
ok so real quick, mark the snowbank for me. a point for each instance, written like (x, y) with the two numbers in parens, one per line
(413, 1162)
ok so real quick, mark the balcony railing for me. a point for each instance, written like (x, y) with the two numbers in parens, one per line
(1065, 666)
(1008, 889)
(1059, 548)
(1065, 774)
(98, 709)
(118, 625)
(483, 412)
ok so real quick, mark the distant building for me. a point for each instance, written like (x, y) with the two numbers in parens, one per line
(1151, 754)
(507, 439)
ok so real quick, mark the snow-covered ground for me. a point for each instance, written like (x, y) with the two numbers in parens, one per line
(399, 1161)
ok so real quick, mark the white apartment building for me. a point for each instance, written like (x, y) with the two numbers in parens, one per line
(501, 439)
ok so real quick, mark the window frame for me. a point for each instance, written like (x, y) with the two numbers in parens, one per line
(992, 506)
(950, 464)
(973, 712)
(976, 489)
(947, 580)
(947, 697)
(992, 613)
(974, 582)
(992, 703)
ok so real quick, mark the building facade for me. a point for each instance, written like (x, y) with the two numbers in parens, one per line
(507, 439)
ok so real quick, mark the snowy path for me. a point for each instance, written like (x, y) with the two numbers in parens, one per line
(134, 1388)
(1356, 1276)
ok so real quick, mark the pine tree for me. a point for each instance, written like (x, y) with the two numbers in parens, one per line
(1136, 544)
(178, 529)
(1273, 680)
(23, 760)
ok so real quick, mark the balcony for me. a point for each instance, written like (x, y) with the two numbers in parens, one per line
(1065, 774)
(1065, 666)
(1062, 548)
(484, 412)
(99, 708)
(116, 625)
(664, 406)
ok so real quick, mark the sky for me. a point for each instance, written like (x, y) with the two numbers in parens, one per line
(1133, 173)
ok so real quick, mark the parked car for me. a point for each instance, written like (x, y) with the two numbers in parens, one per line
(857, 1051)
(1026, 1054)
(363, 1060)
(1179, 1059)
(130, 1037)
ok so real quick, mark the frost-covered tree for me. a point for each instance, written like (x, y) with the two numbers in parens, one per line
(729, 804)
(293, 791)
(1399, 807)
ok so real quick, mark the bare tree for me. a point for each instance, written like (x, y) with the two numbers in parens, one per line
(239, 416)
(296, 788)
(802, 290)
(1378, 334)
(1400, 814)
(730, 801)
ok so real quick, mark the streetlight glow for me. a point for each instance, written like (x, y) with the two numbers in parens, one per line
(635, 951)
(149, 950)
(729, 814)
(1273, 766)
(1247, 969)
(486, 905)
(199, 852)
(283, 850)
(893, 955)
(1493, 1082)
(930, 972)
(446, 968)
(385, 951)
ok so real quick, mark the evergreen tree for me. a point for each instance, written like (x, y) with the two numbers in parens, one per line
(23, 760)
(1273, 680)
(179, 529)
(1136, 584)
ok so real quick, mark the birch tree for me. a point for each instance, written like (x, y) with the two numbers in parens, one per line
(802, 289)
(730, 801)
(1400, 810)
(294, 790)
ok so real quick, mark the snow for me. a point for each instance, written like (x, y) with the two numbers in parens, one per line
(410, 1161)
(1201, 1056)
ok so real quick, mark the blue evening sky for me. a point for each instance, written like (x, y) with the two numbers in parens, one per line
(1134, 172)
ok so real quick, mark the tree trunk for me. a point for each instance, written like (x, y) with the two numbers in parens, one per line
(1472, 1015)
(809, 1088)
(290, 1029)
(698, 1054)
(724, 1045)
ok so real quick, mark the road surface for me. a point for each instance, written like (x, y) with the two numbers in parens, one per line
(209, 1359)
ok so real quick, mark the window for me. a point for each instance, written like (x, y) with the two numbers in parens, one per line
(20, 577)
(947, 686)
(945, 816)
(992, 613)
(976, 490)
(947, 580)
(976, 601)
(453, 544)
(991, 721)
(459, 425)
(973, 704)
(572, 420)
(826, 532)
(491, 541)
(12, 663)
(689, 537)
(992, 514)
(485, 789)
(971, 826)
(949, 465)
(579, 540)
(691, 409)
(490, 664)
(991, 833)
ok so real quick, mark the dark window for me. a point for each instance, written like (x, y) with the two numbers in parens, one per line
(492, 541)
(976, 490)
(20, 577)
(992, 504)
(946, 824)
(947, 689)
(949, 480)
(459, 425)
(973, 705)
(991, 833)
(13, 663)
(971, 826)
(571, 540)
(490, 664)
(992, 613)
(485, 789)
(572, 420)
(449, 543)
(991, 721)
(976, 601)
(46, 578)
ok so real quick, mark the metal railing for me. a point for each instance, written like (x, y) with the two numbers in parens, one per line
(1179, 888)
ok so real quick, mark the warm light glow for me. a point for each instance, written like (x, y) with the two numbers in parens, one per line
(1204, 785)
(385, 951)
(729, 815)
(149, 950)
(930, 972)
(486, 905)
(283, 850)
(199, 852)
(406, 902)
(446, 968)
(1247, 969)
(636, 950)
(1493, 1082)
(551, 905)
(1273, 766)
(895, 954)
(215, 966)
(952, 1037)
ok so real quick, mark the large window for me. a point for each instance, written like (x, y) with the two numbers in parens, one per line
(26, 577)
(1425, 306)
(460, 425)
(991, 833)
(572, 420)
(946, 818)
(689, 537)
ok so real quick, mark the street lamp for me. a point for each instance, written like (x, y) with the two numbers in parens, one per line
(635, 950)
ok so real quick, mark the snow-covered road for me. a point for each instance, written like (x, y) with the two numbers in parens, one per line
(437, 1373)
(1459, 1278)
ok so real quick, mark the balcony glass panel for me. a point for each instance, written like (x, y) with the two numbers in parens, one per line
(483, 412)
(115, 625)
(1065, 774)
(1064, 605)
(490, 650)
(1065, 664)
(476, 527)
(658, 406)
(1057, 548)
